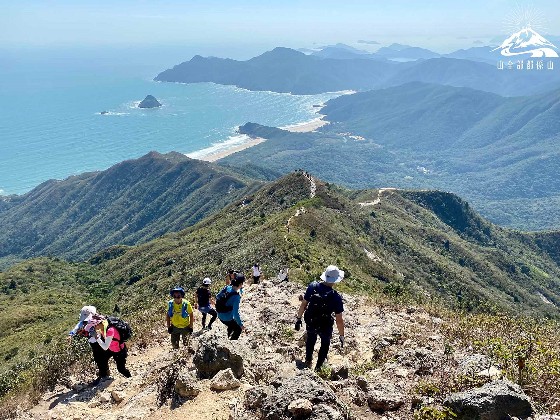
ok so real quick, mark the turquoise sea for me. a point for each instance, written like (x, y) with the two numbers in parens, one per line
(51, 124)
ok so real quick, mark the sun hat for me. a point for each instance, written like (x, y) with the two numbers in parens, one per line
(87, 312)
(207, 281)
(332, 274)
(177, 289)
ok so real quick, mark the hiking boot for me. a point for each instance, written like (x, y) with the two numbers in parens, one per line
(309, 364)
(209, 327)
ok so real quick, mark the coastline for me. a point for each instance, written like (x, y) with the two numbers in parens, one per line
(213, 157)
(307, 126)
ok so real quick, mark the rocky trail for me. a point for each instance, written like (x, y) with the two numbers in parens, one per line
(388, 355)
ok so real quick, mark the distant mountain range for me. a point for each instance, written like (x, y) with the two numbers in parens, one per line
(129, 203)
(336, 68)
(500, 153)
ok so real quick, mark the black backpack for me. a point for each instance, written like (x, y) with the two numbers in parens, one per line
(221, 300)
(124, 329)
(319, 311)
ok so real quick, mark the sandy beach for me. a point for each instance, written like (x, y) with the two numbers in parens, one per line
(222, 154)
(307, 126)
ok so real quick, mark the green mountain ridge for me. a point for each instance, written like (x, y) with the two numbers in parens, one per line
(421, 246)
(129, 203)
(499, 153)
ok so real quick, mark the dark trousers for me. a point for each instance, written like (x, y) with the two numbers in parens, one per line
(256, 279)
(233, 329)
(212, 313)
(325, 334)
(101, 358)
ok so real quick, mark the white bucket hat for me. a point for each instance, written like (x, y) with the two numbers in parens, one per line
(87, 312)
(332, 274)
(207, 281)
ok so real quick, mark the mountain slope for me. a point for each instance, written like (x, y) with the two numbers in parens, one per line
(418, 246)
(287, 70)
(129, 203)
(499, 153)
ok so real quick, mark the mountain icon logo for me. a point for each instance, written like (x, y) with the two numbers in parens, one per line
(528, 42)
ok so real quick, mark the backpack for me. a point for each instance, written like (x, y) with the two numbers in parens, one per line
(124, 329)
(319, 311)
(221, 300)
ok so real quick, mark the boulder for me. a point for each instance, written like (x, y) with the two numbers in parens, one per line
(300, 408)
(224, 380)
(494, 401)
(274, 401)
(215, 354)
(118, 396)
(149, 102)
(186, 386)
(384, 400)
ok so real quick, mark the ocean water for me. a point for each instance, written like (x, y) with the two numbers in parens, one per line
(51, 124)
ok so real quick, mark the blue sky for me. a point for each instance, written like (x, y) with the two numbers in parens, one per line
(438, 24)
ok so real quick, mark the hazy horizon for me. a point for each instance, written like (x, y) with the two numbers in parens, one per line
(248, 27)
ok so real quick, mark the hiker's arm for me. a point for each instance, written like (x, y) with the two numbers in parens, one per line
(104, 344)
(236, 316)
(340, 324)
(168, 319)
(74, 330)
(302, 308)
(191, 317)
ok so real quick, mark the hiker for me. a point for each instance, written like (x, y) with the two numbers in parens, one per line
(227, 306)
(203, 302)
(109, 339)
(319, 303)
(256, 273)
(229, 277)
(86, 315)
(283, 274)
(179, 317)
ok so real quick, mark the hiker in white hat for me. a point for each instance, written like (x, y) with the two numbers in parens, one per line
(319, 303)
(84, 328)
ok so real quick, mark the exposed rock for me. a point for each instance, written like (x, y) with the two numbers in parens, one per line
(493, 401)
(304, 385)
(362, 383)
(381, 400)
(104, 397)
(186, 386)
(224, 380)
(149, 102)
(215, 354)
(300, 408)
(473, 363)
(339, 372)
(255, 397)
(118, 396)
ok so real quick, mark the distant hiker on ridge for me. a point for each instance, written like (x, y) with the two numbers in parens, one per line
(203, 302)
(319, 303)
(256, 273)
(179, 317)
(227, 306)
(230, 276)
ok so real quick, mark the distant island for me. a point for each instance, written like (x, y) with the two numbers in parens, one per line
(149, 102)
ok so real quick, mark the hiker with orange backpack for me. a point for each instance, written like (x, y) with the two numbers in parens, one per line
(179, 317)
(319, 303)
